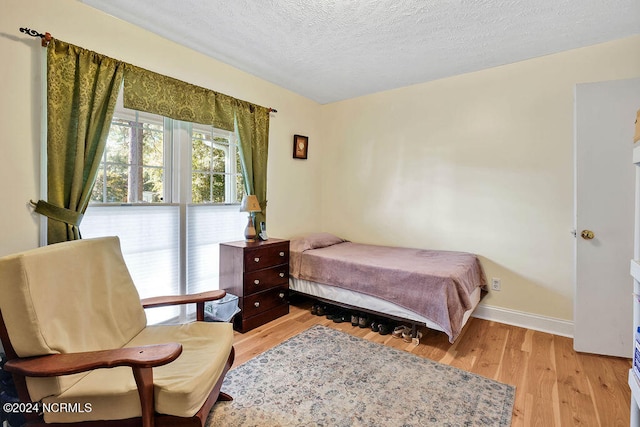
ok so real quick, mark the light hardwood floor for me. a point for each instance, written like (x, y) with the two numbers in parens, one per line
(555, 386)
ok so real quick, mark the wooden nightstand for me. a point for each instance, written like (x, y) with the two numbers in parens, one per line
(258, 273)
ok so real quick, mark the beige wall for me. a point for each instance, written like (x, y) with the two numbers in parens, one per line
(481, 162)
(291, 182)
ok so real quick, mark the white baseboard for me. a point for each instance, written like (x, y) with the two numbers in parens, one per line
(522, 319)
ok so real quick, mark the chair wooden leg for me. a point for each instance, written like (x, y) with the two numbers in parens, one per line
(144, 381)
(224, 397)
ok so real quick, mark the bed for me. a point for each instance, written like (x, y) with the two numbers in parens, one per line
(437, 289)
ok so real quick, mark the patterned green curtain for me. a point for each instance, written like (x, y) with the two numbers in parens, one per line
(147, 91)
(154, 93)
(82, 88)
(252, 128)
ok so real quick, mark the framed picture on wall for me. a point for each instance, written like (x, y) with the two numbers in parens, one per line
(300, 146)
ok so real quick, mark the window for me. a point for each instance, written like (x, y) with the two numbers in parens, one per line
(171, 191)
(133, 165)
(215, 174)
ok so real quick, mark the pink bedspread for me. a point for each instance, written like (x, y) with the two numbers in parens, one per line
(434, 284)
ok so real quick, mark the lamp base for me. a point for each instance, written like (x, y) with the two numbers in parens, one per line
(250, 231)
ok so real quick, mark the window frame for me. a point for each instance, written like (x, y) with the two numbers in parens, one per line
(178, 139)
(231, 172)
(167, 162)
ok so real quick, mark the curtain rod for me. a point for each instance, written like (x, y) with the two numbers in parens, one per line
(46, 38)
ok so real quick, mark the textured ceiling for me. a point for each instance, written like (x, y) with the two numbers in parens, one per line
(330, 50)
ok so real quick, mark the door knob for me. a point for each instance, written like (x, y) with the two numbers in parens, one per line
(587, 234)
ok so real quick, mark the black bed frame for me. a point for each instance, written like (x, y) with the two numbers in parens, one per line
(414, 324)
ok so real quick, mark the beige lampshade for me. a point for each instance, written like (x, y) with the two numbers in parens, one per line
(250, 204)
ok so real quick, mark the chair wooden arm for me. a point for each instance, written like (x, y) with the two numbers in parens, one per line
(71, 363)
(164, 301)
(199, 299)
(141, 360)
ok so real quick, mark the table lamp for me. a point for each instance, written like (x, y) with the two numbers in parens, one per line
(250, 204)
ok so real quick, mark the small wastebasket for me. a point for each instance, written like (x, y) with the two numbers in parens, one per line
(221, 310)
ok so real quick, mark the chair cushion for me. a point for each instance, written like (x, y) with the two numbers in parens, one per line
(180, 387)
(66, 298)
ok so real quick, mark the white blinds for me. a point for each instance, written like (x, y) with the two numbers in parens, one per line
(150, 240)
(207, 226)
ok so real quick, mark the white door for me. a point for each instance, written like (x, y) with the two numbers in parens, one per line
(604, 204)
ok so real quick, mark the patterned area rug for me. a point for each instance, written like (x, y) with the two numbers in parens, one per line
(324, 377)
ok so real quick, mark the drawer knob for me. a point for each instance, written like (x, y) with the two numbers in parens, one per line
(257, 282)
(281, 253)
(281, 274)
(256, 259)
(257, 304)
(281, 294)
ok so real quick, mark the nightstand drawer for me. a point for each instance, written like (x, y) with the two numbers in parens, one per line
(257, 303)
(246, 324)
(260, 280)
(266, 257)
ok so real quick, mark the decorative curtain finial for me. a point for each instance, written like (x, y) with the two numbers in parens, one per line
(46, 37)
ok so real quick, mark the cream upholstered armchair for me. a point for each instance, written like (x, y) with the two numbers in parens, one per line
(70, 310)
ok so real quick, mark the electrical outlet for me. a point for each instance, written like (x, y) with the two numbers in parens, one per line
(495, 284)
